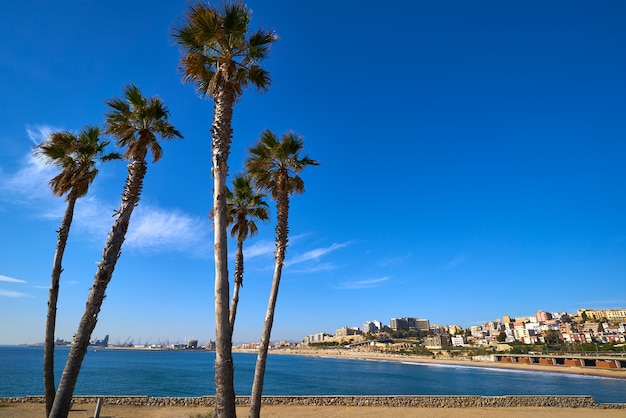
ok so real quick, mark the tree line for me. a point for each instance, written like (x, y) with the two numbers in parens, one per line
(222, 56)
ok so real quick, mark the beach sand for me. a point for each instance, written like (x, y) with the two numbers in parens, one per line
(30, 410)
(590, 371)
(33, 410)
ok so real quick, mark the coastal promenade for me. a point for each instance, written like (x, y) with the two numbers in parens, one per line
(492, 361)
(601, 361)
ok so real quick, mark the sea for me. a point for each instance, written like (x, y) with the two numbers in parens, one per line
(190, 374)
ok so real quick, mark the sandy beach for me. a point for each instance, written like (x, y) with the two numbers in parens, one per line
(589, 371)
(32, 410)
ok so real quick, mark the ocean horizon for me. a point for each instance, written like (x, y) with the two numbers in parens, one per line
(190, 374)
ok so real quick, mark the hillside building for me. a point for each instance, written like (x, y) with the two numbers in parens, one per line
(409, 324)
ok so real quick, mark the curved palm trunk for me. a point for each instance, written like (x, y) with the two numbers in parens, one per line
(282, 205)
(48, 348)
(110, 255)
(238, 284)
(224, 370)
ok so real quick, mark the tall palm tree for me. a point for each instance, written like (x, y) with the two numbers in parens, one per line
(275, 165)
(76, 157)
(221, 56)
(244, 206)
(135, 122)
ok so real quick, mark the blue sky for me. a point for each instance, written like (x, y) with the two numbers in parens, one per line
(473, 165)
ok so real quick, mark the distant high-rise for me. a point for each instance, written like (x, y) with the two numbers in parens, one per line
(409, 324)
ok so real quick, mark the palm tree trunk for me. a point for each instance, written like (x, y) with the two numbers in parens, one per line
(282, 230)
(238, 284)
(110, 255)
(224, 370)
(48, 348)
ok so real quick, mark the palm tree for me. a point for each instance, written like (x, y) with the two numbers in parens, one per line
(244, 205)
(222, 57)
(135, 122)
(76, 156)
(275, 165)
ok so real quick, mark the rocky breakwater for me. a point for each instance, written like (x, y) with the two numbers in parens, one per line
(363, 401)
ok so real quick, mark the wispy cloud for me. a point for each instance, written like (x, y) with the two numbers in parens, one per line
(315, 254)
(10, 279)
(394, 261)
(314, 268)
(29, 185)
(260, 248)
(455, 262)
(39, 133)
(12, 294)
(308, 262)
(93, 216)
(364, 284)
(154, 229)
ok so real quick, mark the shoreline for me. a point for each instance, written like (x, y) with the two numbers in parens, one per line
(374, 356)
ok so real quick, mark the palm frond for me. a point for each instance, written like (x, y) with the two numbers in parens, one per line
(244, 206)
(137, 122)
(75, 155)
(218, 51)
(275, 164)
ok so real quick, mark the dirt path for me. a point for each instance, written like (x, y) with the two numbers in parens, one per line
(33, 410)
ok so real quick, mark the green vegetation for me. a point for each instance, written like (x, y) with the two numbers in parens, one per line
(76, 157)
(405, 334)
(416, 350)
(137, 123)
(552, 337)
(326, 344)
(275, 165)
(244, 206)
(221, 55)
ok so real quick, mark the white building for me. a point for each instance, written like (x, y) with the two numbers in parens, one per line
(457, 341)
(372, 326)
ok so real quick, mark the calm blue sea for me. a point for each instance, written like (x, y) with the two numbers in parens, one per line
(175, 373)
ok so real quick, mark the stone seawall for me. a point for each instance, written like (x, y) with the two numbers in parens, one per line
(400, 400)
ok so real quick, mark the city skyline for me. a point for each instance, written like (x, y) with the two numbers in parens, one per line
(472, 163)
(143, 340)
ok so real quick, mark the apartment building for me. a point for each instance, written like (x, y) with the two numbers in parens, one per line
(347, 331)
(438, 341)
(316, 338)
(409, 324)
(372, 326)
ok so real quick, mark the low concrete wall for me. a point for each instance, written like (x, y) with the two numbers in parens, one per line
(399, 400)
